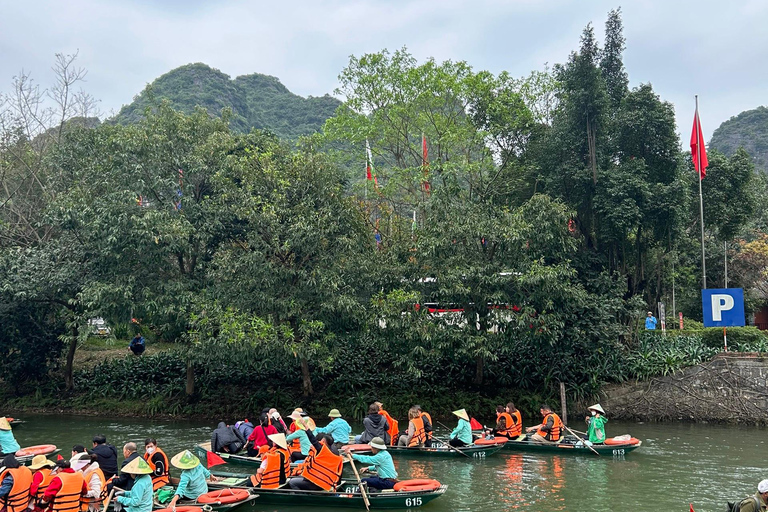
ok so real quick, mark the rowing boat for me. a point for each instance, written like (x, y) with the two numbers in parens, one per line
(347, 495)
(475, 451)
(244, 505)
(571, 446)
(239, 460)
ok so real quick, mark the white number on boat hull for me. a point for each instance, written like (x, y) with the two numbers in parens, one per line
(412, 502)
(479, 455)
(618, 453)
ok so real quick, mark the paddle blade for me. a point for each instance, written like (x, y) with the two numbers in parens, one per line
(214, 460)
(474, 424)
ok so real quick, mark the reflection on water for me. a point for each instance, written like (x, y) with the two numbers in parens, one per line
(678, 464)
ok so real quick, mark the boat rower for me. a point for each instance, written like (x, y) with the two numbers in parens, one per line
(381, 463)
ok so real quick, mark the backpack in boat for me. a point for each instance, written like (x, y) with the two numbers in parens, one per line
(736, 507)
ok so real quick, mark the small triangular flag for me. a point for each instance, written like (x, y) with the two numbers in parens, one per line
(475, 424)
(59, 457)
(214, 460)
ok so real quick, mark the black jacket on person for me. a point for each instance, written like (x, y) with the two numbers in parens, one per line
(375, 425)
(107, 455)
(228, 437)
(124, 481)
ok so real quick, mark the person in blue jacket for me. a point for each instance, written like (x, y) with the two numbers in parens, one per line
(338, 428)
(381, 463)
(650, 322)
(137, 345)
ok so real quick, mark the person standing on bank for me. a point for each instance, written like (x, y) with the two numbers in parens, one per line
(650, 322)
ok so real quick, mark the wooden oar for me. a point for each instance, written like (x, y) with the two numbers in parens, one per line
(359, 482)
(585, 444)
(448, 444)
(109, 499)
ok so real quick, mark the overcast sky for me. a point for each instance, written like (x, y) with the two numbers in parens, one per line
(716, 49)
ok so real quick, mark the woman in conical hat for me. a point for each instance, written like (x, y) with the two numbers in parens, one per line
(139, 498)
(194, 477)
(462, 434)
(596, 424)
(8, 443)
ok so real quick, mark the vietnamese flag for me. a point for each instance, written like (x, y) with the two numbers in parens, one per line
(474, 424)
(697, 147)
(213, 459)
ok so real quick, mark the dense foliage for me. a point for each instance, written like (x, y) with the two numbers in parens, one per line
(748, 130)
(256, 101)
(511, 236)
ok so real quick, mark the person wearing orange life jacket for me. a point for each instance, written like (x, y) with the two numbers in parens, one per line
(15, 481)
(66, 490)
(158, 461)
(275, 465)
(321, 471)
(549, 430)
(427, 426)
(508, 422)
(88, 466)
(517, 419)
(416, 436)
(393, 425)
(41, 478)
(298, 437)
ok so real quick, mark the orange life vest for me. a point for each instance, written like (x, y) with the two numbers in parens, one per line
(69, 497)
(393, 427)
(508, 426)
(419, 435)
(18, 499)
(322, 468)
(277, 470)
(44, 483)
(517, 425)
(431, 426)
(161, 480)
(557, 427)
(295, 445)
(89, 500)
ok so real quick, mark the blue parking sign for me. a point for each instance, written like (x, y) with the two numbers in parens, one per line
(723, 307)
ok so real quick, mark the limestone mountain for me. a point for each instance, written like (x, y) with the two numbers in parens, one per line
(257, 101)
(748, 129)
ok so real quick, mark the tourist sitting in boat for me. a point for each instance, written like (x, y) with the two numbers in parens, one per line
(393, 425)
(107, 455)
(415, 436)
(260, 437)
(427, 426)
(596, 424)
(245, 427)
(508, 422)
(381, 463)
(15, 481)
(758, 502)
(321, 471)
(338, 429)
(462, 434)
(76, 451)
(194, 477)
(139, 498)
(158, 461)
(88, 466)
(226, 438)
(125, 480)
(299, 435)
(277, 421)
(310, 423)
(41, 477)
(8, 444)
(549, 430)
(375, 426)
(66, 489)
(275, 465)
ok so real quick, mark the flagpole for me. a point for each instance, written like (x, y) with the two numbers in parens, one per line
(701, 196)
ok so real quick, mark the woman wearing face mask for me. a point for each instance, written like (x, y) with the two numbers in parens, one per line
(596, 424)
(158, 461)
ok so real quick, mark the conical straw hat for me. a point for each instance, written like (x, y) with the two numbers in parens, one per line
(185, 460)
(597, 408)
(137, 466)
(462, 413)
(279, 440)
(4, 425)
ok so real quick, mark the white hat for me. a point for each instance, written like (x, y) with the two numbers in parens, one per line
(597, 408)
(79, 461)
(762, 486)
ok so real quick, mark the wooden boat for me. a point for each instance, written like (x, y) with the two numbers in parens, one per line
(43, 449)
(475, 451)
(244, 505)
(570, 445)
(240, 460)
(15, 423)
(347, 495)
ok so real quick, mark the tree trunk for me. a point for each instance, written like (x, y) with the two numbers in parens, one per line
(190, 389)
(69, 380)
(479, 365)
(306, 380)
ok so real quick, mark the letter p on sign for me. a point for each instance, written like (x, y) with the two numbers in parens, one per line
(723, 307)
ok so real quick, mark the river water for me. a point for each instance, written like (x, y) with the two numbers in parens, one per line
(678, 464)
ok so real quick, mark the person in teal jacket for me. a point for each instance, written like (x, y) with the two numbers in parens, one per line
(139, 498)
(300, 434)
(462, 434)
(381, 463)
(192, 482)
(338, 428)
(8, 443)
